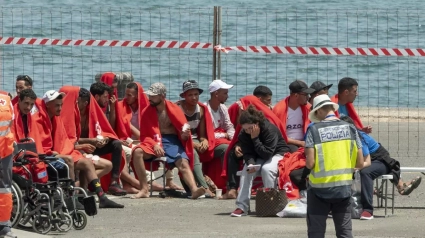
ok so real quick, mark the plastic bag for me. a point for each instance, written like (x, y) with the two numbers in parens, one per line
(356, 203)
(295, 208)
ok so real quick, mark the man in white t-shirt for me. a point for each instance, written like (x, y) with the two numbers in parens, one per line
(293, 112)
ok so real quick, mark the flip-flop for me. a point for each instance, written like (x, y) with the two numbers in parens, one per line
(415, 182)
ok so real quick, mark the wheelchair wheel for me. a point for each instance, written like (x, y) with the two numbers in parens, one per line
(41, 224)
(65, 224)
(18, 205)
(79, 220)
(25, 222)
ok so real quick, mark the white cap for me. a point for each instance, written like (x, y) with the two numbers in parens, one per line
(218, 84)
(319, 102)
(52, 95)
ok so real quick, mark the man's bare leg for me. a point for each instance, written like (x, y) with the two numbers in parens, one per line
(184, 168)
(103, 167)
(139, 165)
(170, 182)
(70, 162)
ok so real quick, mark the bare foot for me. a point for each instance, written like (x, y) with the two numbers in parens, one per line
(198, 192)
(172, 185)
(157, 187)
(141, 194)
(129, 189)
(231, 194)
(211, 194)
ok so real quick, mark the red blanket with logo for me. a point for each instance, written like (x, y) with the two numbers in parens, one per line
(289, 163)
(351, 112)
(281, 111)
(150, 134)
(58, 140)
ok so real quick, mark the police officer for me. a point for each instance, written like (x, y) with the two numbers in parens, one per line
(333, 150)
(6, 154)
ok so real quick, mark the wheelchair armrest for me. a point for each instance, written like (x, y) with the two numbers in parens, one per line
(49, 158)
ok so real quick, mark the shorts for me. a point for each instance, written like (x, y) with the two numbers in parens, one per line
(57, 165)
(173, 149)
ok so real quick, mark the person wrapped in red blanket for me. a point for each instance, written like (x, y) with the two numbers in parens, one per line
(293, 112)
(202, 130)
(110, 79)
(234, 153)
(224, 130)
(127, 128)
(164, 132)
(96, 130)
(63, 147)
(347, 93)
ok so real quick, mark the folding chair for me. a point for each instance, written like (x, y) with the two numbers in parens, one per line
(382, 192)
(158, 160)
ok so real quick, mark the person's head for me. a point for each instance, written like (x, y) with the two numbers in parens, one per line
(347, 89)
(26, 100)
(250, 117)
(54, 102)
(23, 82)
(319, 89)
(131, 93)
(219, 90)
(83, 99)
(300, 92)
(191, 92)
(264, 94)
(322, 106)
(100, 92)
(156, 94)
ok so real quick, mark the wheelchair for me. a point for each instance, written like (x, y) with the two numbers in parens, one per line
(47, 205)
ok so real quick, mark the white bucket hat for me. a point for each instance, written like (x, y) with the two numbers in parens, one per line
(319, 102)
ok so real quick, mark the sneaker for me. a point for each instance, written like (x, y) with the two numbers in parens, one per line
(8, 235)
(366, 216)
(238, 213)
(116, 190)
(106, 203)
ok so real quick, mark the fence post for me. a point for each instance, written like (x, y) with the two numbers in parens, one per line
(214, 67)
(219, 42)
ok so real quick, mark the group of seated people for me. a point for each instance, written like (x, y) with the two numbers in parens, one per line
(207, 142)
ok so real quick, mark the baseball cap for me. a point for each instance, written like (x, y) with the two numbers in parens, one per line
(318, 85)
(156, 89)
(218, 84)
(299, 86)
(190, 84)
(52, 95)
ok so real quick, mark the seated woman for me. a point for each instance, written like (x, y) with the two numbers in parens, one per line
(378, 162)
(263, 145)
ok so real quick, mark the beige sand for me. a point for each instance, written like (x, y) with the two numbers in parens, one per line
(387, 114)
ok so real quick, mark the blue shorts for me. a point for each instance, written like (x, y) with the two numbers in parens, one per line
(173, 148)
(57, 165)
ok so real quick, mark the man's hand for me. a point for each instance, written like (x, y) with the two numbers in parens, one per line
(238, 151)
(125, 143)
(367, 129)
(186, 134)
(112, 100)
(255, 131)
(203, 146)
(159, 152)
(251, 170)
(88, 148)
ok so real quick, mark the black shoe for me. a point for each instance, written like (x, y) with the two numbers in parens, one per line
(106, 203)
(116, 190)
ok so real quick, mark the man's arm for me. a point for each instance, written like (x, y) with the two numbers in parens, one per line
(202, 127)
(298, 143)
(360, 158)
(112, 116)
(87, 141)
(134, 131)
(247, 148)
(309, 150)
(230, 129)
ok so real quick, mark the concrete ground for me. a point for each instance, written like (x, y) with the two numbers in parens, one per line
(174, 217)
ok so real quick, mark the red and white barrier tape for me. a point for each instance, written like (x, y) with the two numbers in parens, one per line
(298, 50)
(107, 43)
(294, 50)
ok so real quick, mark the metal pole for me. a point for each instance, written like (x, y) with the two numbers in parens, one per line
(219, 42)
(214, 44)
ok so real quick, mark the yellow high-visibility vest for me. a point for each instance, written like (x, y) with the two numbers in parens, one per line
(335, 154)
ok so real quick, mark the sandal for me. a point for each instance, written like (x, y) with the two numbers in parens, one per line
(415, 182)
(406, 190)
